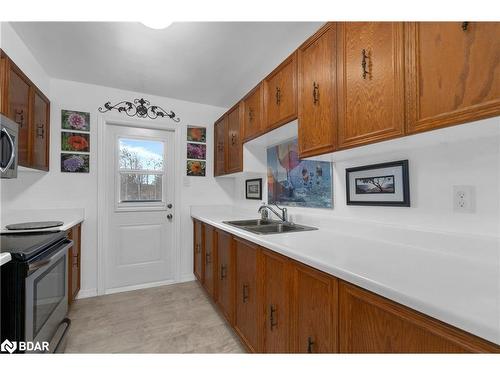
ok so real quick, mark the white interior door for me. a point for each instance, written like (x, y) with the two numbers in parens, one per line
(139, 237)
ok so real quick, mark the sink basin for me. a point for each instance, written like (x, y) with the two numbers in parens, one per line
(268, 226)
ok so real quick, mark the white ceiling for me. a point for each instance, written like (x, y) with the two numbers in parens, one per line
(206, 62)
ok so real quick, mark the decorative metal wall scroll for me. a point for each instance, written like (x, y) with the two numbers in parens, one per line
(140, 108)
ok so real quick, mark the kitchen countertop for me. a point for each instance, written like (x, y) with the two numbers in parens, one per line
(449, 276)
(4, 258)
(69, 216)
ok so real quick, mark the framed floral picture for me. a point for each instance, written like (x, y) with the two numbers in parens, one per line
(196, 134)
(196, 168)
(75, 163)
(74, 120)
(79, 142)
(196, 151)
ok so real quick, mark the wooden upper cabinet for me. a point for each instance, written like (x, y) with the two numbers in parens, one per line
(453, 73)
(209, 259)
(317, 130)
(198, 250)
(315, 311)
(220, 146)
(370, 82)
(372, 324)
(253, 122)
(225, 274)
(280, 94)
(247, 320)
(276, 302)
(41, 131)
(234, 142)
(18, 110)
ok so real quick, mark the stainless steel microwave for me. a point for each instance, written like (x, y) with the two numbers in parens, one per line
(9, 136)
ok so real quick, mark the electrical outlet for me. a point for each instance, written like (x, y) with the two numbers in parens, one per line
(464, 198)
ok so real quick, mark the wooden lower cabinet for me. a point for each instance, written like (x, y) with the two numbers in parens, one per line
(198, 264)
(314, 311)
(224, 283)
(370, 323)
(275, 302)
(247, 322)
(209, 259)
(74, 262)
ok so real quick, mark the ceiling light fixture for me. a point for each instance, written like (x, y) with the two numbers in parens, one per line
(157, 24)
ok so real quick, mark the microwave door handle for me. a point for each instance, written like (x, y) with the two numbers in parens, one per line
(41, 263)
(12, 154)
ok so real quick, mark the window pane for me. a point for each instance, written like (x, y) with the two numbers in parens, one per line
(141, 155)
(135, 187)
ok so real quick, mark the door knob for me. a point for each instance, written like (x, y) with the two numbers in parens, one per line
(170, 216)
(169, 205)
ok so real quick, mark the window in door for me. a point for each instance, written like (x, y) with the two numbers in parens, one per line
(140, 173)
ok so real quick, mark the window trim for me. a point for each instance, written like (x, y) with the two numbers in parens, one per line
(124, 206)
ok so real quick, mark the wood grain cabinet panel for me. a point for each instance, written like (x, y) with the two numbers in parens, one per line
(41, 131)
(314, 311)
(370, 82)
(317, 129)
(225, 275)
(210, 256)
(253, 104)
(280, 94)
(372, 324)
(198, 263)
(453, 73)
(220, 127)
(276, 302)
(74, 262)
(247, 320)
(234, 144)
(4, 102)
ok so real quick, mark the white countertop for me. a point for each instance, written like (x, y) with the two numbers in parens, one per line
(69, 216)
(452, 277)
(4, 258)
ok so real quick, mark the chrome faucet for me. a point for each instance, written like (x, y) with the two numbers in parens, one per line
(284, 212)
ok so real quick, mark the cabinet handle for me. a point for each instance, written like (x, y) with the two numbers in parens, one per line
(272, 318)
(465, 26)
(233, 139)
(278, 95)
(310, 344)
(40, 130)
(223, 271)
(197, 248)
(245, 293)
(250, 114)
(20, 117)
(220, 147)
(364, 57)
(208, 257)
(315, 93)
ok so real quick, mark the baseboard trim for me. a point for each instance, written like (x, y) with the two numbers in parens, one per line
(140, 286)
(87, 293)
(187, 277)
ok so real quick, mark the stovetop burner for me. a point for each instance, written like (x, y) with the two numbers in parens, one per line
(34, 225)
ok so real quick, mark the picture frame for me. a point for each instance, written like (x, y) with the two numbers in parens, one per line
(196, 134)
(253, 189)
(383, 184)
(75, 120)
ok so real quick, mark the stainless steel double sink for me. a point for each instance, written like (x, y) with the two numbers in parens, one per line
(259, 226)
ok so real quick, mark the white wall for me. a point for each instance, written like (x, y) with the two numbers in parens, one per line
(66, 190)
(461, 155)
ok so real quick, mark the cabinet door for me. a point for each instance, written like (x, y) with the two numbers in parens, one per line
(74, 263)
(4, 100)
(370, 82)
(317, 131)
(210, 255)
(315, 311)
(225, 274)
(372, 324)
(253, 113)
(19, 110)
(40, 132)
(453, 73)
(247, 320)
(234, 161)
(220, 147)
(198, 250)
(276, 303)
(280, 94)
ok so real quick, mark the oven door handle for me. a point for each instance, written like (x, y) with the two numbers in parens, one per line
(45, 262)
(12, 153)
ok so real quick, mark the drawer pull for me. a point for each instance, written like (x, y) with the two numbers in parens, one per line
(208, 257)
(278, 95)
(223, 271)
(245, 293)
(315, 93)
(364, 57)
(272, 318)
(465, 26)
(310, 344)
